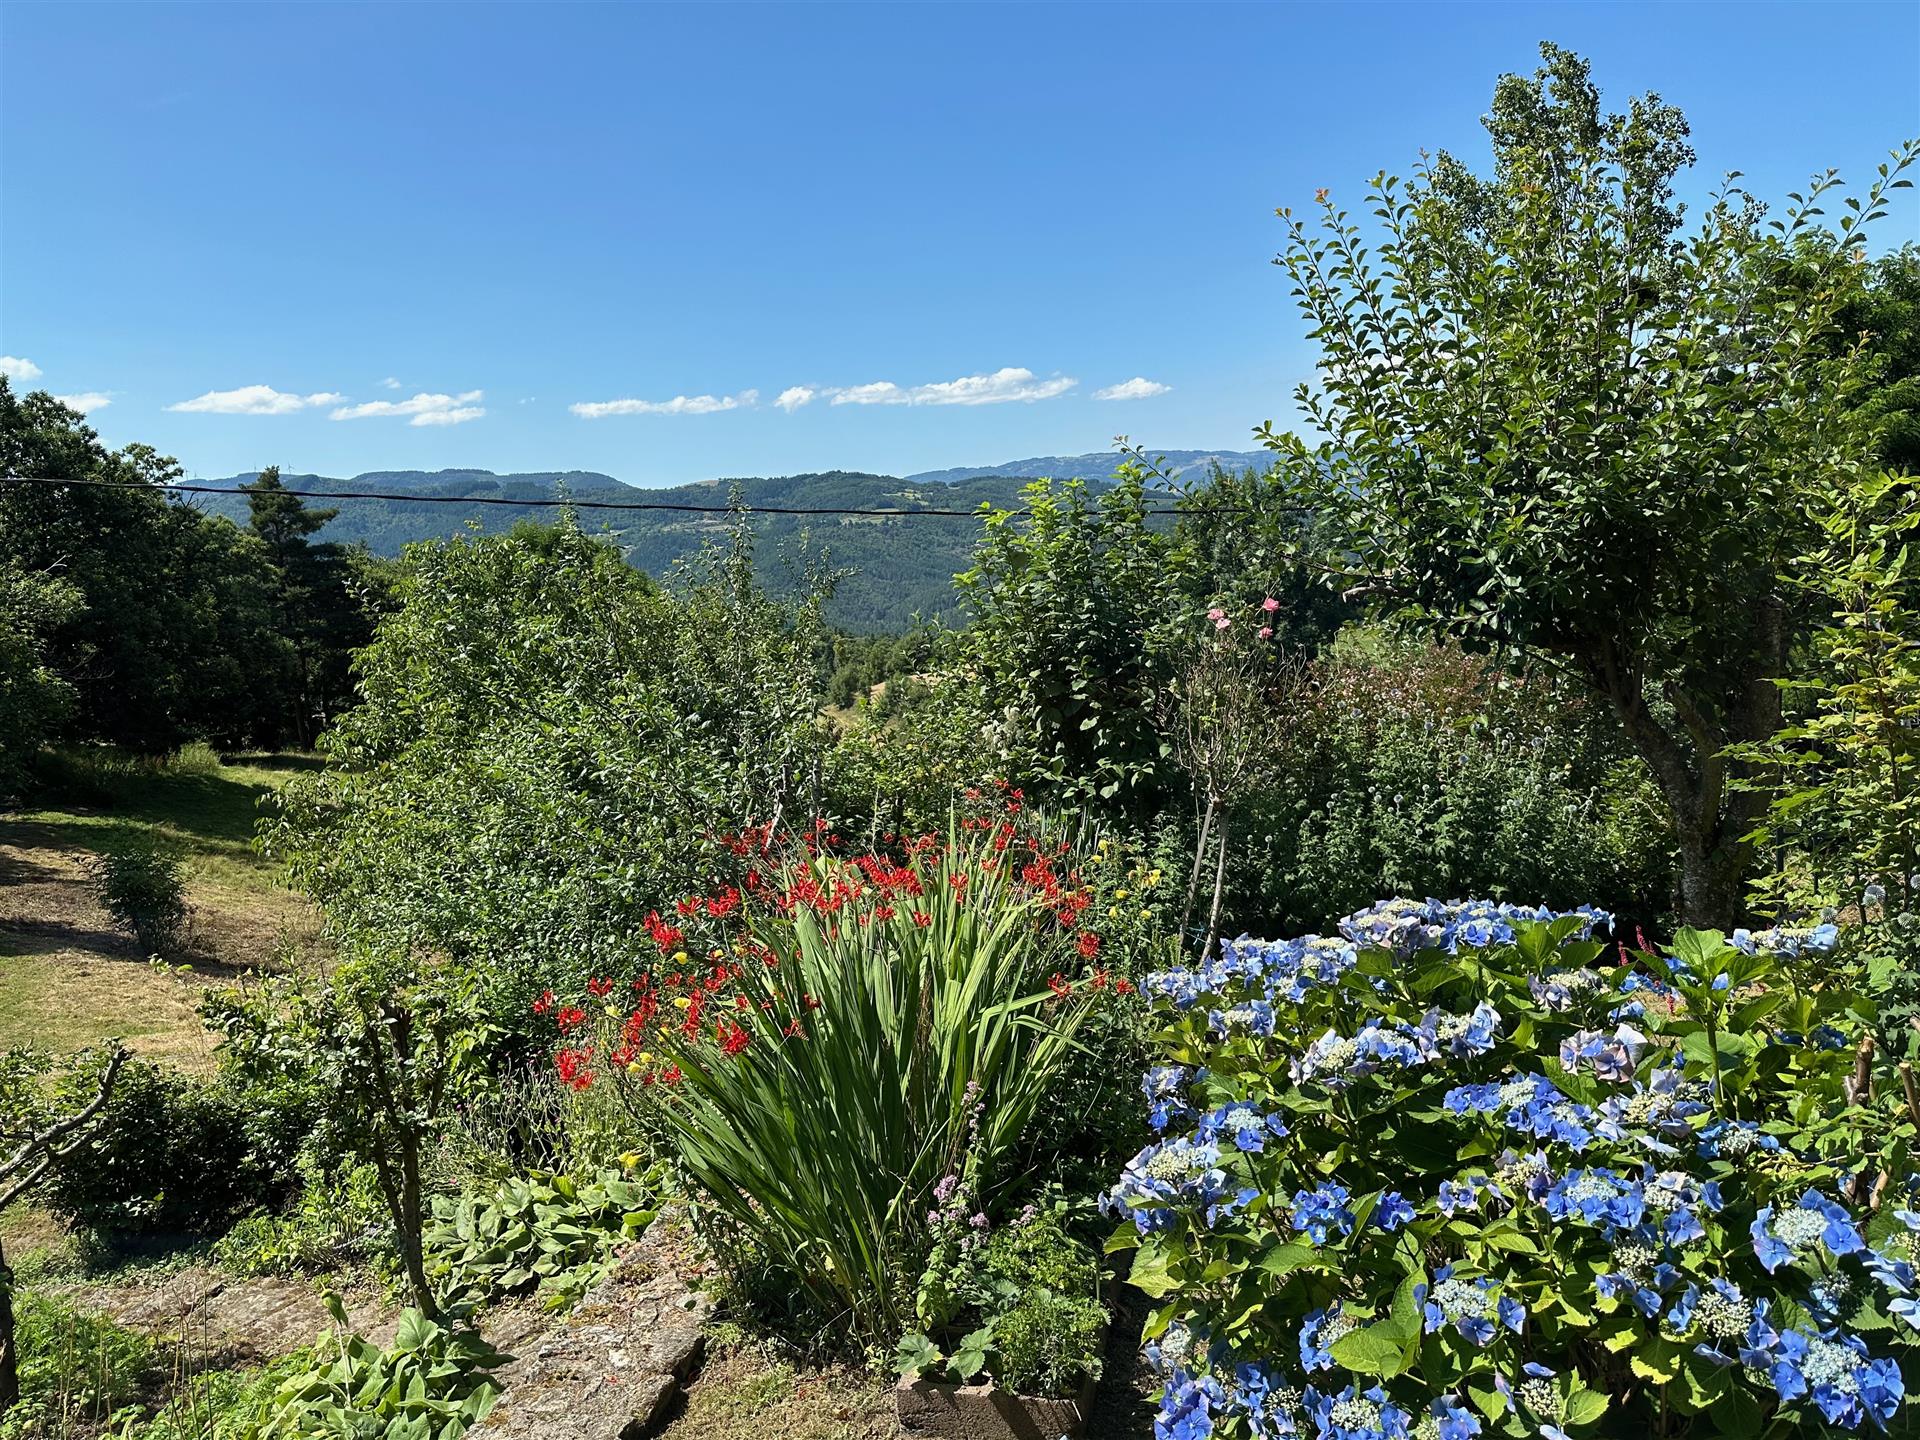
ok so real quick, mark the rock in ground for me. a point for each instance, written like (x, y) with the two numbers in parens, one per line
(611, 1369)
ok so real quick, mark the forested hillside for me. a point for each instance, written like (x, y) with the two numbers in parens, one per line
(899, 571)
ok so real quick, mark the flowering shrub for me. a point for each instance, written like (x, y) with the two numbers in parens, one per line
(857, 1029)
(1462, 1169)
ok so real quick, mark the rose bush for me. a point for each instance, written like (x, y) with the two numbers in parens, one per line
(1464, 1169)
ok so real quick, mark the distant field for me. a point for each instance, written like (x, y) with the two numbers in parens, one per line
(70, 978)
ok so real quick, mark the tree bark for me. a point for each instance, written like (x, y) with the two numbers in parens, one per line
(1710, 818)
(9, 1360)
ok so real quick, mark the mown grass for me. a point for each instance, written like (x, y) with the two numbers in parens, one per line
(69, 977)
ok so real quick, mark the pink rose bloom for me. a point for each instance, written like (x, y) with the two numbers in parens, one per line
(1216, 614)
(1270, 604)
(1222, 623)
(1266, 632)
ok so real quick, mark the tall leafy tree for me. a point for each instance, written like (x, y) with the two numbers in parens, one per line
(317, 612)
(1560, 420)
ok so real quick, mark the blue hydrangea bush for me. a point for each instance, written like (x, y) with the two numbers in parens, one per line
(1468, 1169)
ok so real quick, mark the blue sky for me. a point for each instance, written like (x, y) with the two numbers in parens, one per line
(508, 212)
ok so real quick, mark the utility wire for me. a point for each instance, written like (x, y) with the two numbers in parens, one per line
(562, 502)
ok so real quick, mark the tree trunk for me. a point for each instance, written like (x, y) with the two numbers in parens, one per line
(1711, 818)
(9, 1361)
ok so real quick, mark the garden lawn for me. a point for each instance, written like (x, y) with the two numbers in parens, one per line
(69, 977)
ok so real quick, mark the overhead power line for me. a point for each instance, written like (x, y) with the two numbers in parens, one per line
(572, 504)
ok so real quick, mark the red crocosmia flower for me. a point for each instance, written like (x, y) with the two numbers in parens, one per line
(958, 882)
(670, 1075)
(883, 912)
(544, 1004)
(571, 1019)
(1059, 985)
(666, 936)
(686, 908)
(733, 1039)
(809, 1002)
(572, 1068)
(793, 1031)
(1123, 986)
(599, 989)
(922, 919)
(1099, 979)
(1089, 944)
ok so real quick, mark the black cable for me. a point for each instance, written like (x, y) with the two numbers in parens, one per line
(557, 501)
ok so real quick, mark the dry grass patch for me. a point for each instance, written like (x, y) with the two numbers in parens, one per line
(744, 1393)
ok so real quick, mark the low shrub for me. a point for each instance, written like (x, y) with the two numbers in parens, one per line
(1449, 1172)
(1016, 1303)
(433, 1383)
(76, 1369)
(1049, 1344)
(173, 1155)
(337, 1218)
(144, 889)
(554, 1233)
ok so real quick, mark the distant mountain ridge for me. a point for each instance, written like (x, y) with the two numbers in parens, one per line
(1180, 464)
(900, 572)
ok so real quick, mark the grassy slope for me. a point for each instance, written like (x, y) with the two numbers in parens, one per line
(69, 977)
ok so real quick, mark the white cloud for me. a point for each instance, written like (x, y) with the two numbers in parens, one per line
(679, 405)
(1011, 383)
(87, 401)
(254, 400)
(16, 368)
(422, 409)
(389, 383)
(1138, 388)
(794, 396)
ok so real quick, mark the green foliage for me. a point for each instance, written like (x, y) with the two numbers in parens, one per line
(1049, 1344)
(554, 1233)
(1420, 770)
(216, 1404)
(166, 625)
(1841, 825)
(171, 1155)
(387, 1046)
(76, 1369)
(337, 1218)
(1885, 319)
(1501, 1153)
(34, 698)
(816, 1093)
(432, 1384)
(1557, 422)
(1073, 607)
(546, 746)
(1018, 1303)
(145, 890)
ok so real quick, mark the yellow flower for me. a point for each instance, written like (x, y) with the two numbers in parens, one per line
(1113, 913)
(646, 1057)
(1145, 913)
(1119, 894)
(614, 1011)
(1153, 877)
(629, 1160)
(679, 957)
(681, 1002)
